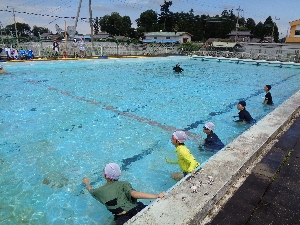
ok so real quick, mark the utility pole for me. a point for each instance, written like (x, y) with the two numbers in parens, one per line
(273, 28)
(15, 25)
(91, 25)
(78, 11)
(1, 27)
(90, 20)
(237, 23)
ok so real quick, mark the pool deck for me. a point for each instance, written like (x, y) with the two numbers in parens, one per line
(270, 194)
(258, 172)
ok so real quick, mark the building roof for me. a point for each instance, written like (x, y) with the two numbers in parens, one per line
(239, 33)
(159, 41)
(295, 22)
(166, 33)
(224, 44)
(82, 36)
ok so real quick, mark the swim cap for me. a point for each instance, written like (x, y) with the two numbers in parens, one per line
(112, 171)
(269, 87)
(180, 136)
(243, 103)
(210, 126)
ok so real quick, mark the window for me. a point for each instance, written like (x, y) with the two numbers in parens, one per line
(168, 38)
(155, 37)
(297, 32)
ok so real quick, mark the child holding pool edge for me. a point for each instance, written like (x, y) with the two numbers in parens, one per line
(186, 160)
(119, 197)
(244, 115)
(212, 142)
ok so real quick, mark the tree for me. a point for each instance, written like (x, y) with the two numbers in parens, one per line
(147, 21)
(268, 25)
(250, 24)
(24, 30)
(96, 26)
(220, 27)
(275, 33)
(165, 16)
(115, 24)
(242, 23)
(126, 26)
(39, 30)
(259, 31)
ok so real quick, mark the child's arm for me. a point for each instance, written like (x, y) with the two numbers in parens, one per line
(87, 183)
(171, 162)
(144, 195)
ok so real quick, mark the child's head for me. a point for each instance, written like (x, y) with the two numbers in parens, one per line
(112, 171)
(241, 105)
(267, 87)
(178, 137)
(208, 127)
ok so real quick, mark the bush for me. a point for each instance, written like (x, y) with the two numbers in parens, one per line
(189, 46)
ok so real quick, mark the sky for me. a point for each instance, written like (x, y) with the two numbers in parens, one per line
(49, 12)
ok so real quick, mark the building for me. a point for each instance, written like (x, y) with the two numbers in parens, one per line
(225, 46)
(84, 37)
(240, 36)
(167, 37)
(102, 35)
(294, 33)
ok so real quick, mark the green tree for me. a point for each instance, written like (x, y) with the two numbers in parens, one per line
(250, 24)
(190, 23)
(165, 16)
(258, 31)
(219, 27)
(96, 26)
(24, 30)
(147, 21)
(115, 24)
(126, 26)
(39, 30)
(268, 25)
(275, 33)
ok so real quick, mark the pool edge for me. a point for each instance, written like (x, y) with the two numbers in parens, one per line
(191, 199)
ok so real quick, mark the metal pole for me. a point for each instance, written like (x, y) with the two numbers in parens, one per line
(237, 23)
(66, 38)
(41, 49)
(91, 25)
(78, 11)
(15, 25)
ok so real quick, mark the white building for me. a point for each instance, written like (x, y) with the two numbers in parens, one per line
(167, 37)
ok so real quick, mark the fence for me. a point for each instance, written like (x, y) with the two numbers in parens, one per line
(44, 50)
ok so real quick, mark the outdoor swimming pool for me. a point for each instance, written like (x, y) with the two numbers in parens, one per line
(63, 120)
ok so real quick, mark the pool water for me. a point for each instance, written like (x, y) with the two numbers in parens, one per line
(63, 120)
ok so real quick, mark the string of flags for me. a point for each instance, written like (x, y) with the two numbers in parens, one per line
(38, 14)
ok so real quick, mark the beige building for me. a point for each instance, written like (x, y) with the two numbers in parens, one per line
(294, 36)
(167, 37)
(240, 36)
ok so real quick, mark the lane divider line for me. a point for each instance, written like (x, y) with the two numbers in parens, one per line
(170, 129)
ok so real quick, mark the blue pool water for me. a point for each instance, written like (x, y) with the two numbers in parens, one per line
(61, 121)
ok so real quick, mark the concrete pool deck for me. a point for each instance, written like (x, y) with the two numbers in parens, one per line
(197, 198)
